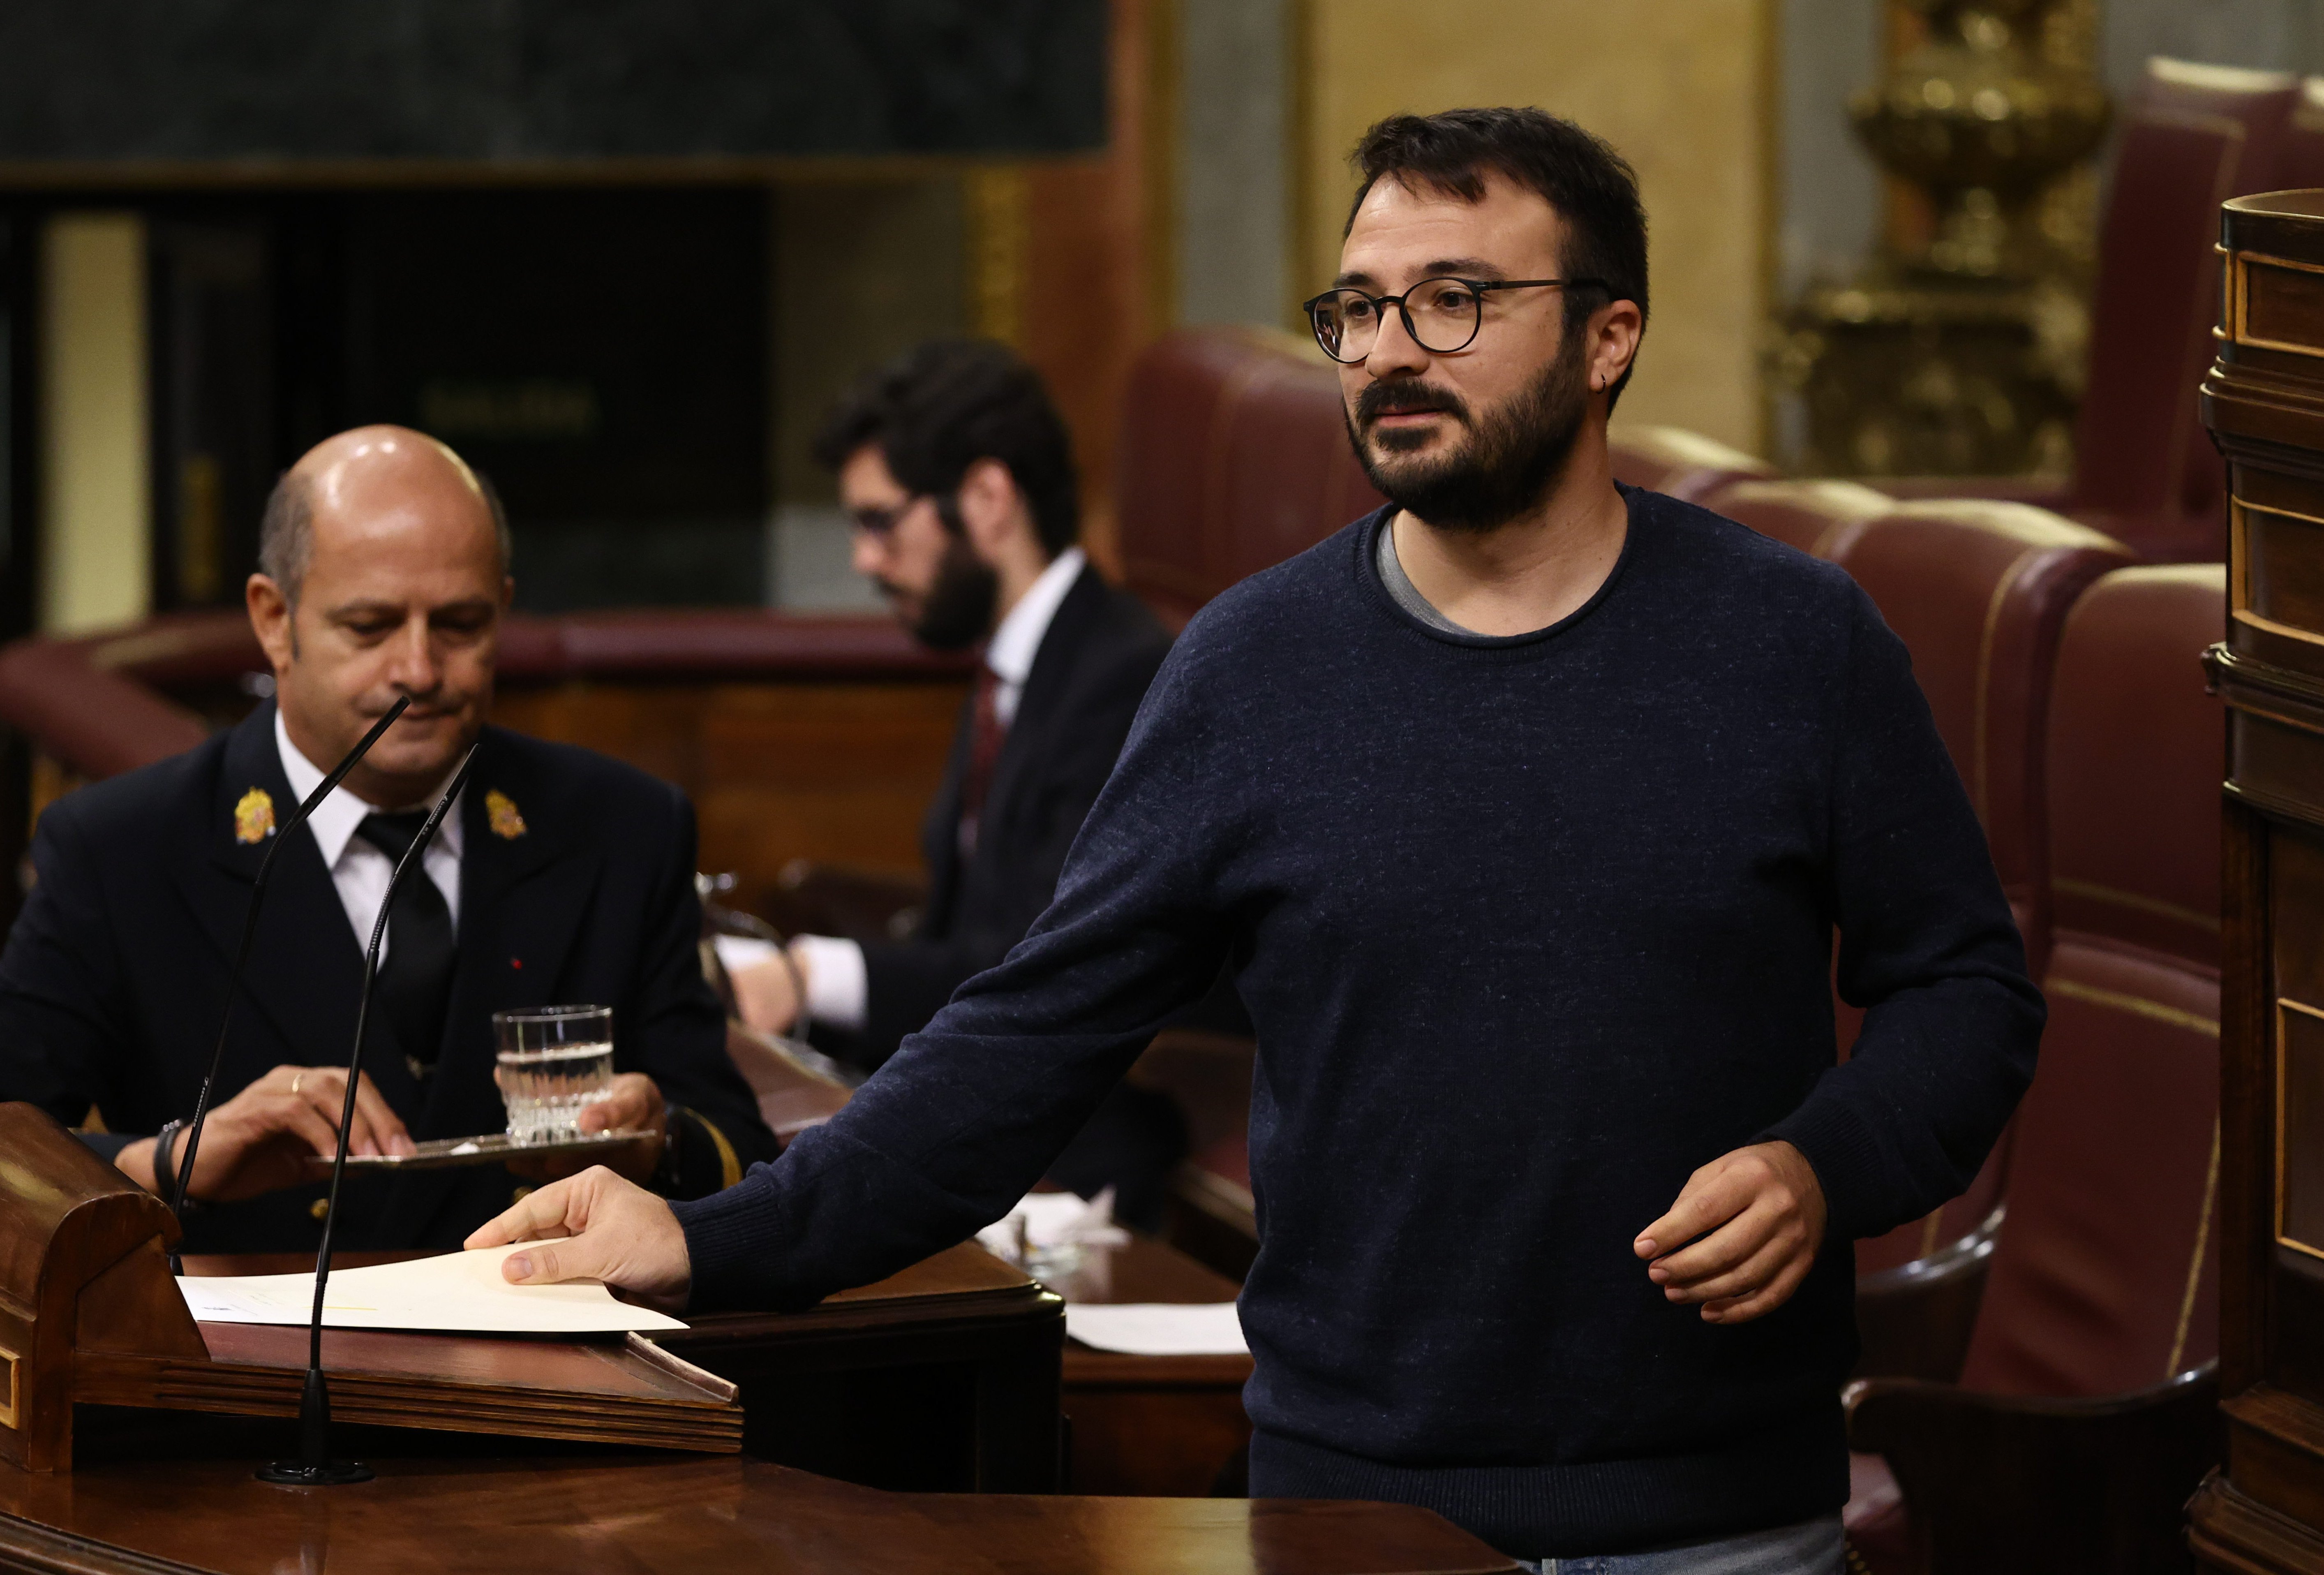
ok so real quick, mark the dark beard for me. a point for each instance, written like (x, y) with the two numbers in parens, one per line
(1508, 464)
(958, 611)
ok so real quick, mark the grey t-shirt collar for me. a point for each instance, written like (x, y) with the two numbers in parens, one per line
(1406, 594)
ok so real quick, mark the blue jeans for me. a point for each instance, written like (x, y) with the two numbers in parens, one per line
(1810, 1548)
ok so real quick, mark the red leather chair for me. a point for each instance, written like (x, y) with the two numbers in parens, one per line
(1234, 456)
(1681, 463)
(1820, 518)
(1911, 1314)
(2085, 1412)
(2260, 103)
(2145, 471)
(1979, 591)
(2300, 161)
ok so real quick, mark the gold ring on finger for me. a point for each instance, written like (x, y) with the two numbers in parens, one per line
(294, 1083)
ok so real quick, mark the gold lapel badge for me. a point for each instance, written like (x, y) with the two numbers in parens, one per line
(254, 816)
(501, 814)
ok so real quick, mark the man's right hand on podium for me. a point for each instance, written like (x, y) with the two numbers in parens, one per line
(596, 1226)
(259, 1140)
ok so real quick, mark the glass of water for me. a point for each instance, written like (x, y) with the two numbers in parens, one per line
(553, 1060)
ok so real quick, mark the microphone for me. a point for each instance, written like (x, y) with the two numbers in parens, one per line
(314, 1467)
(242, 953)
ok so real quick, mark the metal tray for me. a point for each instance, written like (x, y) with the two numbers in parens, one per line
(440, 1153)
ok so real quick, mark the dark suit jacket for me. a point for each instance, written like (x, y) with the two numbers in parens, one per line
(1100, 652)
(115, 976)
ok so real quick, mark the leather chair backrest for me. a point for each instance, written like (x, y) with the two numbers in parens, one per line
(1678, 462)
(1978, 592)
(1234, 456)
(2142, 455)
(2106, 1275)
(2136, 743)
(2261, 103)
(2300, 164)
(1820, 518)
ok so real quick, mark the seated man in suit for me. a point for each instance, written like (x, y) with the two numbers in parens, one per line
(960, 478)
(560, 877)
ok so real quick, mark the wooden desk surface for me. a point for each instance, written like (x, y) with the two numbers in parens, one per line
(1145, 1270)
(943, 1376)
(961, 1282)
(696, 1516)
(1161, 1425)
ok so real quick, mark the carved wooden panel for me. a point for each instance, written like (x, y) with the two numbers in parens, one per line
(2300, 1113)
(2264, 404)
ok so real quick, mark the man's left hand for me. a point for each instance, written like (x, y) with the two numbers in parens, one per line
(1759, 1212)
(635, 1105)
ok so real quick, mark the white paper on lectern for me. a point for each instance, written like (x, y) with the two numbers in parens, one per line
(1158, 1329)
(456, 1293)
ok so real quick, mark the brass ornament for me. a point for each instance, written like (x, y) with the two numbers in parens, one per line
(1960, 350)
(253, 817)
(501, 814)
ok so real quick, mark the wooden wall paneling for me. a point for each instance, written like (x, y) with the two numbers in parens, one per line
(1083, 303)
(836, 771)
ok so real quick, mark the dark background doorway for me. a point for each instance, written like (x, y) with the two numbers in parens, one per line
(603, 355)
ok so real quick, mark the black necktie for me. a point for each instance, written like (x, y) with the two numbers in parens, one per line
(416, 980)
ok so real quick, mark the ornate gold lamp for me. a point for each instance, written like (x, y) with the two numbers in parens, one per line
(1958, 351)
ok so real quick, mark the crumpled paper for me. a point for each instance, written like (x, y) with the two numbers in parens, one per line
(1050, 1225)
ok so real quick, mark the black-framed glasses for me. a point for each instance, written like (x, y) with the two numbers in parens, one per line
(1441, 315)
(881, 522)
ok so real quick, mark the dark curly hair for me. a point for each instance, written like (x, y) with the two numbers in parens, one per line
(1592, 188)
(940, 407)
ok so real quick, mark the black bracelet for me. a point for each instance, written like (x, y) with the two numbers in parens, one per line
(165, 1163)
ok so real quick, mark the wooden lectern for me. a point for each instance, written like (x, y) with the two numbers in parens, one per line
(2265, 404)
(90, 1314)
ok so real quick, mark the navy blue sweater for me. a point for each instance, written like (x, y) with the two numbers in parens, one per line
(1529, 928)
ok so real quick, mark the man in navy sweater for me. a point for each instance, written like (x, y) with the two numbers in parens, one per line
(1524, 813)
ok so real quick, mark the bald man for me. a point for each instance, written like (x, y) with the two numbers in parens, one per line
(561, 876)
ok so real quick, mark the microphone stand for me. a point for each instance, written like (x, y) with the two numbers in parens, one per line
(314, 1467)
(242, 953)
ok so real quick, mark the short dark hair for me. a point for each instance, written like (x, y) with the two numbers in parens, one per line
(1592, 188)
(940, 407)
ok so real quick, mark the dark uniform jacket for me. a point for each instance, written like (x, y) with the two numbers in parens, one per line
(577, 886)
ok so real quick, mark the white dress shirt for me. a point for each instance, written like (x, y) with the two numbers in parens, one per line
(838, 989)
(1011, 652)
(359, 870)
